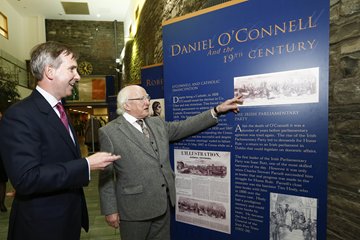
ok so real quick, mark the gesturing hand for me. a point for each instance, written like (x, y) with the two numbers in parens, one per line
(230, 105)
(100, 160)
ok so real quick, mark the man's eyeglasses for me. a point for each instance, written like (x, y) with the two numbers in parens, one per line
(146, 97)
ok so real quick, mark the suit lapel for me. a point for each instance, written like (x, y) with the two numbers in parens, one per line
(55, 121)
(135, 136)
(75, 143)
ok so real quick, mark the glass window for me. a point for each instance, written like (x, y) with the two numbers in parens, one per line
(4, 25)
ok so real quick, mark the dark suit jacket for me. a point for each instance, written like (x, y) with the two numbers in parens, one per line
(142, 175)
(47, 171)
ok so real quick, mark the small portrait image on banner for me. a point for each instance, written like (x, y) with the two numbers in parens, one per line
(288, 87)
(292, 217)
(157, 108)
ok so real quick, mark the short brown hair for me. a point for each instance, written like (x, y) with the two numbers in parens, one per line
(48, 54)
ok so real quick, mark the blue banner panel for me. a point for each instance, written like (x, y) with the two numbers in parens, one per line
(152, 81)
(112, 106)
(111, 98)
(110, 87)
(262, 173)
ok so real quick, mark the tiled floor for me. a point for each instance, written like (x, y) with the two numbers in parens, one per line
(98, 227)
(99, 230)
(4, 217)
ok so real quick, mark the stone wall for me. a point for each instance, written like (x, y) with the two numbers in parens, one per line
(344, 121)
(344, 98)
(99, 43)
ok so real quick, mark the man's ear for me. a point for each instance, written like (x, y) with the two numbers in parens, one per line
(126, 106)
(49, 72)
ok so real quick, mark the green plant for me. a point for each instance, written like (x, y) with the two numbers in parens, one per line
(8, 94)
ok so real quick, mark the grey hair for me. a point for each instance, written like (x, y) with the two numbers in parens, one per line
(48, 54)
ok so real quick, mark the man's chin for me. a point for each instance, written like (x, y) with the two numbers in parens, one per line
(69, 92)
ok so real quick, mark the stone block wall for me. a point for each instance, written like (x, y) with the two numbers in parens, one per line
(99, 43)
(344, 121)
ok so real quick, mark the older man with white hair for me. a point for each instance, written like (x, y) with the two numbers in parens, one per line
(137, 191)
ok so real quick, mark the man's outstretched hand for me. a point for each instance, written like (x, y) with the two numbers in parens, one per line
(229, 105)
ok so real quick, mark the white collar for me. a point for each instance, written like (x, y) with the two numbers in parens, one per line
(131, 119)
(49, 98)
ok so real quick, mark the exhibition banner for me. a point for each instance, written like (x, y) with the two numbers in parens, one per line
(111, 98)
(152, 81)
(262, 173)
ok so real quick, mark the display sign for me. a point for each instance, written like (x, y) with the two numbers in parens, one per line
(153, 82)
(261, 173)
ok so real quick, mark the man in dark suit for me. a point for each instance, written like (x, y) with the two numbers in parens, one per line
(140, 196)
(3, 181)
(42, 156)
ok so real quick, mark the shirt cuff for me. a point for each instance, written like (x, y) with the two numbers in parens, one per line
(87, 160)
(213, 113)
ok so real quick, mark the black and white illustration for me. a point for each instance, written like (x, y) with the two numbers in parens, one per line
(288, 87)
(292, 217)
(202, 168)
(202, 208)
